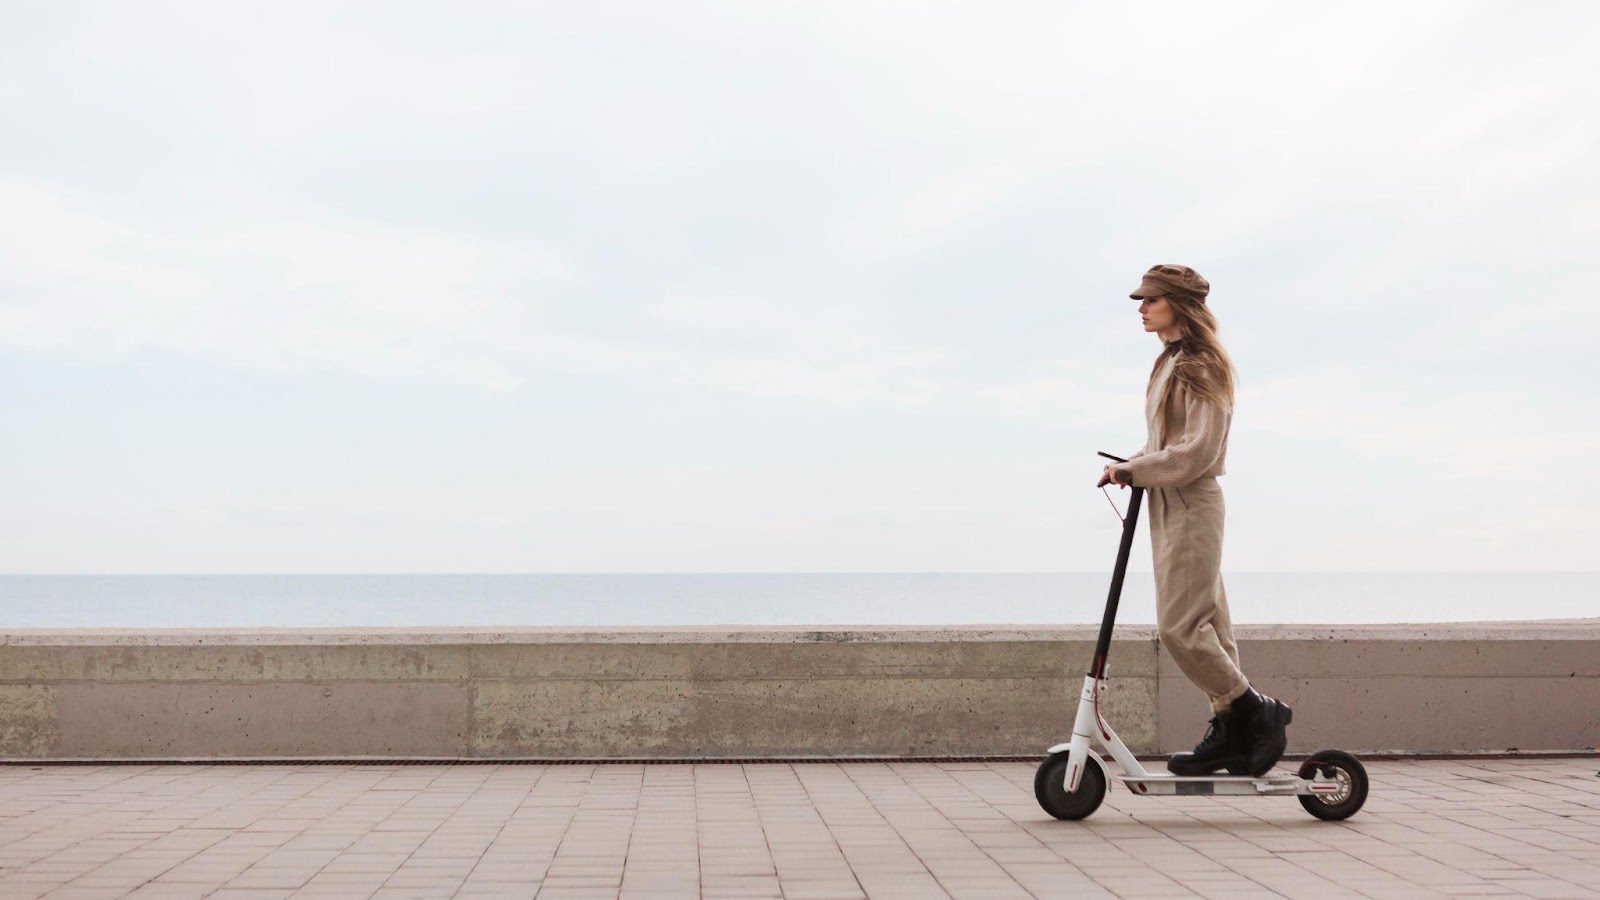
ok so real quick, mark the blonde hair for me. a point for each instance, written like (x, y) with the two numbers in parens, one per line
(1203, 367)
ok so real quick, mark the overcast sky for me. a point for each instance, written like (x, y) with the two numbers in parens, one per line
(691, 286)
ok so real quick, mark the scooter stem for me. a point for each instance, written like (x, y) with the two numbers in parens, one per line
(1102, 647)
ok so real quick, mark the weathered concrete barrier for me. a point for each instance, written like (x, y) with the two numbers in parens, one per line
(785, 692)
(1452, 688)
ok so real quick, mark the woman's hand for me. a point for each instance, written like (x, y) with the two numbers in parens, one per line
(1110, 476)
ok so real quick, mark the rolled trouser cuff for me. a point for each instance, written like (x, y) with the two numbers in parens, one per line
(1218, 704)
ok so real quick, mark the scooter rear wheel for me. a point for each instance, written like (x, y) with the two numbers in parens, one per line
(1050, 787)
(1352, 778)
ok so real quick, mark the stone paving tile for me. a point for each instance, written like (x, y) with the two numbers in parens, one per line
(1446, 828)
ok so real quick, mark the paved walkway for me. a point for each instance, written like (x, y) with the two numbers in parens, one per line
(1482, 828)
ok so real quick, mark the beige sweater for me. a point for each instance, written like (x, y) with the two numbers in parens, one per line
(1188, 440)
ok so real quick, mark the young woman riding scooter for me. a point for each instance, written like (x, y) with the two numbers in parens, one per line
(1188, 409)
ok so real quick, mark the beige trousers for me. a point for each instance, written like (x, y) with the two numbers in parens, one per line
(1191, 605)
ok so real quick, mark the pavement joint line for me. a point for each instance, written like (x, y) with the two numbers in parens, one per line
(155, 762)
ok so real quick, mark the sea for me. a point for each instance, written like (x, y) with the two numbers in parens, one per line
(714, 599)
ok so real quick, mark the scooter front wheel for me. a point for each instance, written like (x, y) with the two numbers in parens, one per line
(1050, 787)
(1350, 776)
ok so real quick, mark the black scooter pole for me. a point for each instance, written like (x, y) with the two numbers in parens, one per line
(1102, 646)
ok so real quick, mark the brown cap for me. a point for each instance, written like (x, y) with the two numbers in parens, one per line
(1161, 280)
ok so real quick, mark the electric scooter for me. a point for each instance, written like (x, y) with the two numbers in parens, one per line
(1072, 781)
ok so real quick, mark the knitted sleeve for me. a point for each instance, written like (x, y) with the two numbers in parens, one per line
(1190, 455)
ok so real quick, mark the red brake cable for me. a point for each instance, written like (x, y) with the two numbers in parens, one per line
(1113, 505)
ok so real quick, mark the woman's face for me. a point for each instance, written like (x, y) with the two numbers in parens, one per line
(1156, 313)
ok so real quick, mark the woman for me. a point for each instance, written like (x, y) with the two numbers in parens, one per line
(1188, 408)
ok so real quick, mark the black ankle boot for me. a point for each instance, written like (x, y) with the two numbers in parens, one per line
(1267, 723)
(1219, 749)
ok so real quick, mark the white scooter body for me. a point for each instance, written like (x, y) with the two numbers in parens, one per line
(1090, 724)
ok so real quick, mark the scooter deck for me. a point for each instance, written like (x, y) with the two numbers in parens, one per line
(1274, 782)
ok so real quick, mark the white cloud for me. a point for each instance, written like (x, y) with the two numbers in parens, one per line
(275, 296)
(928, 210)
(1386, 415)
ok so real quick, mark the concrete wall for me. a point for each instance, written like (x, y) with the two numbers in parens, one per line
(794, 692)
